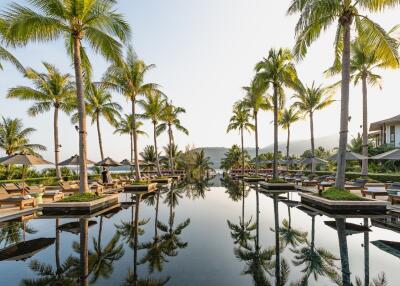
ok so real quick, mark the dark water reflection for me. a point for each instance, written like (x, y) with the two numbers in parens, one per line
(203, 234)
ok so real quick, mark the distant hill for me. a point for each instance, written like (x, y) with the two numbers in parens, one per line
(296, 147)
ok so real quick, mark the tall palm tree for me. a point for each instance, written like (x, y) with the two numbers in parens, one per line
(256, 100)
(315, 17)
(15, 138)
(128, 79)
(288, 117)
(170, 119)
(76, 21)
(240, 120)
(310, 99)
(99, 104)
(363, 63)
(202, 163)
(276, 71)
(52, 90)
(153, 108)
(124, 126)
(149, 156)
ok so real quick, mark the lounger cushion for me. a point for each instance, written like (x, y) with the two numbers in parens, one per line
(51, 193)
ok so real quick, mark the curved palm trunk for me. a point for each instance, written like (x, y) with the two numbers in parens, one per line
(156, 149)
(256, 139)
(277, 250)
(171, 159)
(344, 108)
(135, 139)
(100, 232)
(287, 148)
(99, 136)
(366, 253)
(344, 254)
(312, 141)
(83, 174)
(364, 168)
(56, 144)
(275, 165)
(241, 140)
(84, 256)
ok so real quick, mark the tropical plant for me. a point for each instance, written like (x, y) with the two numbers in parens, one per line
(127, 78)
(310, 99)
(170, 119)
(233, 157)
(5, 55)
(13, 232)
(256, 100)
(52, 90)
(240, 120)
(76, 21)
(202, 163)
(315, 17)
(149, 155)
(277, 71)
(172, 151)
(99, 104)
(289, 235)
(14, 137)
(288, 117)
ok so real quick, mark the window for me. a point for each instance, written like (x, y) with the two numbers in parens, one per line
(392, 135)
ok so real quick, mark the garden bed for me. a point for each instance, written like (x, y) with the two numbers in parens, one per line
(253, 179)
(285, 187)
(162, 180)
(140, 187)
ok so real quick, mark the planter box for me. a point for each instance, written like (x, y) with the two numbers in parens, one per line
(145, 188)
(285, 187)
(80, 207)
(253, 179)
(162, 180)
(340, 207)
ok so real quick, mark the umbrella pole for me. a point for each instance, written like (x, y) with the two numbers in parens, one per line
(23, 180)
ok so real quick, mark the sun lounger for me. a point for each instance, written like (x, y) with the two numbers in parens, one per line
(374, 193)
(19, 201)
(54, 195)
(394, 192)
(12, 188)
(69, 187)
(309, 183)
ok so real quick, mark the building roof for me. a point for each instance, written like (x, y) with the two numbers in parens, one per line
(377, 125)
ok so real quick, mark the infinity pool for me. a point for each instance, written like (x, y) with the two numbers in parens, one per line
(199, 234)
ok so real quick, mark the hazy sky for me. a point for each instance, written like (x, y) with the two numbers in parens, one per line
(205, 51)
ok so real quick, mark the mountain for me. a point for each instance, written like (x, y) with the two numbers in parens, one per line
(297, 147)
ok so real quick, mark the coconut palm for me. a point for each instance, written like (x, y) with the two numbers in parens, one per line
(310, 99)
(127, 78)
(276, 71)
(288, 117)
(315, 17)
(202, 163)
(364, 61)
(14, 137)
(172, 151)
(14, 231)
(256, 100)
(76, 21)
(240, 120)
(291, 236)
(52, 90)
(170, 119)
(153, 108)
(99, 104)
(5, 55)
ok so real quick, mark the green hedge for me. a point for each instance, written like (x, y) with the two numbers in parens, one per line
(48, 181)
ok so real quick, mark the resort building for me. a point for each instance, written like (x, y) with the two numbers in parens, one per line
(386, 132)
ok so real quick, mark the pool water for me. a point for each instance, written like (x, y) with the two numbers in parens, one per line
(206, 233)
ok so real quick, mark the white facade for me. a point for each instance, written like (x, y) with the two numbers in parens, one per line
(393, 135)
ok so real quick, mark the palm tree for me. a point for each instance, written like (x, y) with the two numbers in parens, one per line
(4, 54)
(308, 101)
(153, 108)
(99, 104)
(240, 120)
(256, 100)
(364, 60)
(53, 90)
(128, 79)
(202, 163)
(170, 119)
(14, 231)
(288, 117)
(124, 126)
(315, 17)
(95, 22)
(15, 138)
(278, 71)
(149, 156)
(172, 152)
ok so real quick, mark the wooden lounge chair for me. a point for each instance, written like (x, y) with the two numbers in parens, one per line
(54, 195)
(394, 192)
(69, 187)
(374, 193)
(358, 184)
(18, 201)
(12, 188)
(309, 183)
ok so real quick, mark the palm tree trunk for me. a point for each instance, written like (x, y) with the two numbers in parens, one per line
(366, 253)
(243, 204)
(344, 108)
(99, 136)
(171, 159)
(156, 149)
(364, 168)
(312, 141)
(83, 174)
(275, 165)
(256, 139)
(56, 145)
(241, 140)
(136, 238)
(100, 232)
(344, 255)
(135, 143)
(312, 232)
(84, 257)
(287, 148)
(131, 139)
(57, 248)
(257, 219)
(156, 218)
(277, 246)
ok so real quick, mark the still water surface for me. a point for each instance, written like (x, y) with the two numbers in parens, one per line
(200, 234)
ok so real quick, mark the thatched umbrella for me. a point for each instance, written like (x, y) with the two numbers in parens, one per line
(24, 160)
(108, 162)
(126, 162)
(350, 156)
(390, 155)
(313, 160)
(74, 161)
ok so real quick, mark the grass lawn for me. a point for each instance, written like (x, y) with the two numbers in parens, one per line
(277, 181)
(141, 182)
(336, 194)
(84, 197)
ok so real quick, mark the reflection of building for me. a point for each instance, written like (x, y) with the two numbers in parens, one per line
(386, 131)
